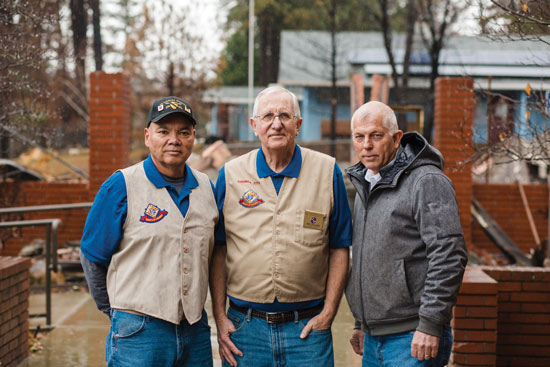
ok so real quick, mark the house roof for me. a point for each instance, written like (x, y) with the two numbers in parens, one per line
(16, 172)
(304, 58)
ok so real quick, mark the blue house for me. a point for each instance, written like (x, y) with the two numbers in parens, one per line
(501, 73)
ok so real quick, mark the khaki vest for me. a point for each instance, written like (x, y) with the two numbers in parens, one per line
(277, 246)
(161, 267)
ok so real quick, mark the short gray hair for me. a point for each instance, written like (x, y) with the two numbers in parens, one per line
(273, 89)
(373, 109)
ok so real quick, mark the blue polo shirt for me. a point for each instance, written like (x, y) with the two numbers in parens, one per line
(340, 229)
(103, 230)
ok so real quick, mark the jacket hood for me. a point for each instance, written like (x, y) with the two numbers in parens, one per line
(414, 151)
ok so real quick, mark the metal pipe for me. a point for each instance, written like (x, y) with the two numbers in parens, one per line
(51, 241)
(250, 63)
(37, 208)
(48, 277)
(29, 223)
(52, 226)
(55, 226)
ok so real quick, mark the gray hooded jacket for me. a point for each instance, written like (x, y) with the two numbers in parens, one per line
(409, 253)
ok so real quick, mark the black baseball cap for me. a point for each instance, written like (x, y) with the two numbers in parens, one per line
(168, 105)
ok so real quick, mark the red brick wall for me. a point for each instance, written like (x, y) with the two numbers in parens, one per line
(109, 139)
(109, 132)
(14, 314)
(43, 193)
(453, 121)
(502, 317)
(523, 315)
(512, 217)
(475, 321)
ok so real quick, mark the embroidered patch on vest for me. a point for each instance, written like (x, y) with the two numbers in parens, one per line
(250, 199)
(153, 214)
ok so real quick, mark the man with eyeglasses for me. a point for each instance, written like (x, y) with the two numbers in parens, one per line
(282, 247)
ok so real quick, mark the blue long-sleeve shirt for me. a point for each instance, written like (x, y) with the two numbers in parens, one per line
(103, 230)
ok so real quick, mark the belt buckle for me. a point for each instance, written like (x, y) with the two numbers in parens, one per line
(271, 317)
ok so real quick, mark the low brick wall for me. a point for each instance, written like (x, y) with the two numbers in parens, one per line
(523, 337)
(502, 318)
(511, 217)
(14, 314)
(30, 193)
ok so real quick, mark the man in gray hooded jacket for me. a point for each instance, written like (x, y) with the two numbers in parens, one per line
(409, 253)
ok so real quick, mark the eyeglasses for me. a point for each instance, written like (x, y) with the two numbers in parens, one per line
(270, 117)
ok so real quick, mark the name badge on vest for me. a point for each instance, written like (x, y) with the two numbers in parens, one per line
(313, 220)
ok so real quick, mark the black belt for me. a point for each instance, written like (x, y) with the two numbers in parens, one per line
(279, 317)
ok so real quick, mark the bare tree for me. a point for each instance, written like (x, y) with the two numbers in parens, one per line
(435, 18)
(509, 21)
(79, 24)
(331, 10)
(528, 140)
(170, 55)
(96, 23)
(400, 77)
(24, 87)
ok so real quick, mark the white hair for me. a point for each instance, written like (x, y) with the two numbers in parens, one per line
(374, 109)
(273, 89)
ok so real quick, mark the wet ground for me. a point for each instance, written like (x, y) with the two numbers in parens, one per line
(78, 338)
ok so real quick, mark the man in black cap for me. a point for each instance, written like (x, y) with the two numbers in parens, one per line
(146, 247)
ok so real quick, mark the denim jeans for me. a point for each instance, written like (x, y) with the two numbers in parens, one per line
(279, 345)
(136, 341)
(395, 351)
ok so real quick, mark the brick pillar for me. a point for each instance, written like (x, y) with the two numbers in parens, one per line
(357, 91)
(109, 130)
(357, 99)
(14, 313)
(475, 321)
(453, 136)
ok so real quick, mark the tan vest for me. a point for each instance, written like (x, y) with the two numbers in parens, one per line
(161, 266)
(277, 246)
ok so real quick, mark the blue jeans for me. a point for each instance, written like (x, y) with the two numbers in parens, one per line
(136, 341)
(279, 345)
(395, 351)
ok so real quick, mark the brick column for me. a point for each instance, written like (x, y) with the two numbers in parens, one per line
(109, 130)
(14, 313)
(475, 321)
(453, 136)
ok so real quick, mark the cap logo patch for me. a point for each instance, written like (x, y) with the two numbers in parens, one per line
(153, 214)
(175, 105)
(250, 199)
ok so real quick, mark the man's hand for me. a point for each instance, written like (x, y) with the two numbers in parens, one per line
(336, 280)
(356, 341)
(226, 347)
(424, 346)
(218, 289)
(319, 322)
